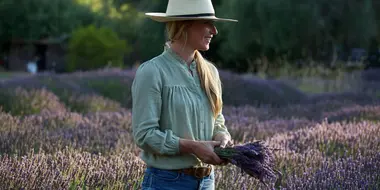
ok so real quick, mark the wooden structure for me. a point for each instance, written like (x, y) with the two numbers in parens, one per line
(50, 52)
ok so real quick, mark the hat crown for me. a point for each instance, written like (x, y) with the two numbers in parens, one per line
(177, 10)
(189, 7)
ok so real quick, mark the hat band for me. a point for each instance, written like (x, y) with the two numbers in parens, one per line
(194, 15)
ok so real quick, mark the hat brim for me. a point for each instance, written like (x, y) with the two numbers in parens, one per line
(162, 17)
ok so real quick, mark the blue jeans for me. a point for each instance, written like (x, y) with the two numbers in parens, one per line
(158, 179)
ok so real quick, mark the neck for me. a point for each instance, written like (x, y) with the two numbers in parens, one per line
(184, 52)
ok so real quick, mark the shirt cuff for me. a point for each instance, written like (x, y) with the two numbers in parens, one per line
(172, 146)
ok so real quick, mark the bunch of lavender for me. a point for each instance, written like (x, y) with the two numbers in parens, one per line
(254, 159)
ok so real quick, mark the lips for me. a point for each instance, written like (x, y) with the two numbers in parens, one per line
(208, 39)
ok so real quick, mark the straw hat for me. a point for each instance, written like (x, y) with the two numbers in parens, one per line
(187, 10)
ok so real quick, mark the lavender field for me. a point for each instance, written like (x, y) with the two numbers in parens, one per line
(73, 131)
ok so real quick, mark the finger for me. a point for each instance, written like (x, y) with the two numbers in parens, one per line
(216, 143)
(223, 143)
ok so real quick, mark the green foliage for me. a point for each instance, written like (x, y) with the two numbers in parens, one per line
(271, 27)
(94, 48)
(33, 19)
(275, 30)
(150, 36)
(294, 30)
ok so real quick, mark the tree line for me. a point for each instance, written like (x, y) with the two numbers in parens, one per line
(268, 34)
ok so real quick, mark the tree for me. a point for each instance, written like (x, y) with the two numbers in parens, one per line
(33, 19)
(295, 29)
(267, 28)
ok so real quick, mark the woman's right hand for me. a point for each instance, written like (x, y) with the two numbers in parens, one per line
(204, 150)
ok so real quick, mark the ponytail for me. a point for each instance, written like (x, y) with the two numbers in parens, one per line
(210, 83)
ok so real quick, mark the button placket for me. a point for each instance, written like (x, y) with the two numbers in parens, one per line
(200, 100)
(201, 113)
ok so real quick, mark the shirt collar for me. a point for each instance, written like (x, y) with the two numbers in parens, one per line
(172, 54)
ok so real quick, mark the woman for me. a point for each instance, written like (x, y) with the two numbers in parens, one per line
(177, 102)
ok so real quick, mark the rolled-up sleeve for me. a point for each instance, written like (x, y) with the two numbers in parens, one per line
(146, 109)
(220, 127)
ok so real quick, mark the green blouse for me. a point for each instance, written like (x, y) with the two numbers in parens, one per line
(169, 104)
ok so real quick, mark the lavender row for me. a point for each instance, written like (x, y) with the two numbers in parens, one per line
(301, 160)
(335, 140)
(76, 169)
(114, 84)
(110, 131)
(96, 132)
(26, 101)
(361, 172)
(68, 169)
(337, 110)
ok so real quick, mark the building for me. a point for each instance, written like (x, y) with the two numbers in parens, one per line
(50, 53)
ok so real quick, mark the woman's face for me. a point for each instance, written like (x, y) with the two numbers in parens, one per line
(200, 33)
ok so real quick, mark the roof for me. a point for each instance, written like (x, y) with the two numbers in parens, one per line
(48, 40)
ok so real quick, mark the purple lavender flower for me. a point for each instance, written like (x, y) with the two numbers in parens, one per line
(254, 159)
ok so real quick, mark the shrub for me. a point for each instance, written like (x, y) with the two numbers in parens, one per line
(93, 48)
(21, 101)
(85, 103)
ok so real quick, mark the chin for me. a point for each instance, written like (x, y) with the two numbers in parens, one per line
(205, 48)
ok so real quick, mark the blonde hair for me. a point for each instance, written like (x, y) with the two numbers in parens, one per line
(209, 79)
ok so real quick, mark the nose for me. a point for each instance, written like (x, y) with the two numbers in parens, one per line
(214, 31)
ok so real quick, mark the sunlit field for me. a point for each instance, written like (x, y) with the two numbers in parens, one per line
(73, 131)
